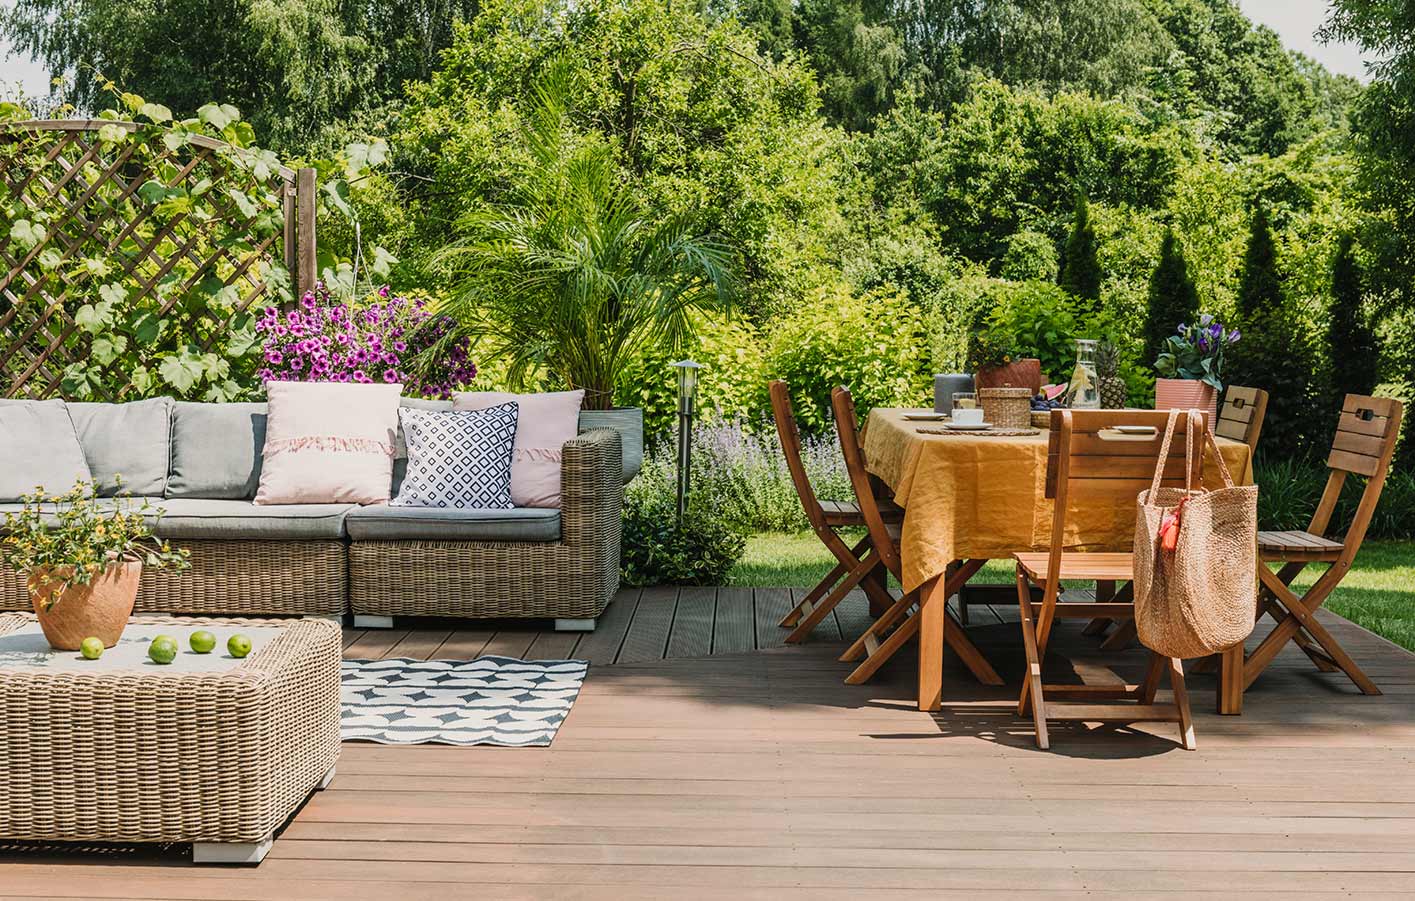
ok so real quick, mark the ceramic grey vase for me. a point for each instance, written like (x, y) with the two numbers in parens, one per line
(945, 385)
(629, 422)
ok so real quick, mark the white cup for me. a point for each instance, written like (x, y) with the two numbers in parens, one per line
(968, 417)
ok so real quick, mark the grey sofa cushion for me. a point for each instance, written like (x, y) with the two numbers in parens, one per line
(216, 450)
(38, 446)
(231, 520)
(133, 440)
(383, 523)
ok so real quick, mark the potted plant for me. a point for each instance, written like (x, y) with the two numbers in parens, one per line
(573, 276)
(82, 562)
(1191, 367)
(997, 364)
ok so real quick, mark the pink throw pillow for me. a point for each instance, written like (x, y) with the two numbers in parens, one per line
(546, 422)
(328, 443)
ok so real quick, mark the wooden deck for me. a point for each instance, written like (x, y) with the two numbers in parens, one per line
(758, 774)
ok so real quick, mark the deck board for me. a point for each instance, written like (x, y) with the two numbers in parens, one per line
(760, 775)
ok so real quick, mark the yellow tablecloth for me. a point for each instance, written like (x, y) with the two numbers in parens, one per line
(979, 497)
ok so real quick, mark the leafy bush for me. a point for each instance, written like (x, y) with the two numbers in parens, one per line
(657, 549)
(875, 343)
(1029, 255)
(731, 384)
(1039, 320)
(746, 472)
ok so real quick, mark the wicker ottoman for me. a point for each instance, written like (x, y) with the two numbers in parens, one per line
(210, 750)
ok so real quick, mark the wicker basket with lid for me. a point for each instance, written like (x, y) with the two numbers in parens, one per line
(1006, 408)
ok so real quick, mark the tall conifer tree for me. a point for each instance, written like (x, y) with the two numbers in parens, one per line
(1351, 342)
(1080, 269)
(1173, 297)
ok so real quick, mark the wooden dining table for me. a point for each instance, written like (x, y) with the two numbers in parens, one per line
(973, 497)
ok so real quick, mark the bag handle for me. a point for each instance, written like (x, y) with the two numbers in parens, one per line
(1164, 453)
(1218, 456)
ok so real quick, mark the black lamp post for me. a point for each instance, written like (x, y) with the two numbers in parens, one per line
(687, 396)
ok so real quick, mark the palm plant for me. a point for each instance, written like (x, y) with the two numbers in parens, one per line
(572, 276)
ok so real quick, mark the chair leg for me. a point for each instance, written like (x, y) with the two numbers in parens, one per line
(883, 650)
(1032, 683)
(1150, 687)
(823, 586)
(1121, 638)
(821, 610)
(876, 631)
(1181, 701)
(1302, 613)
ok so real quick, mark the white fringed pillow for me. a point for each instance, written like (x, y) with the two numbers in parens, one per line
(458, 459)
(328, 443)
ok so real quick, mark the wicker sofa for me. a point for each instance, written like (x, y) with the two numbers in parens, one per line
(200, 463)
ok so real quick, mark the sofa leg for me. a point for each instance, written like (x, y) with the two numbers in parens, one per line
(575, 625)
(365, 621)
(231, 852)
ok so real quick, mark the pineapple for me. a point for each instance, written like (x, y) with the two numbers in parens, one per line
(1108, 381)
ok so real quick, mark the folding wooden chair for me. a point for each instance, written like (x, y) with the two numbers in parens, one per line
(900, 622)
(1240, 419)
(1365, 442)
(855, 566)
(1089, 460)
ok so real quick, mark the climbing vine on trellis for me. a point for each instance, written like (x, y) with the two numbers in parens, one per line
(136, 251)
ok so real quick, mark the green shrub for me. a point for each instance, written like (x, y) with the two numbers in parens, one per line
(875, 343)
(1029, 255)
(657, 549)
(731, 384)
(1037, 319)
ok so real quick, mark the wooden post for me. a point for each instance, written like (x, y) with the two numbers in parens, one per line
(292, 230)
(306, 269)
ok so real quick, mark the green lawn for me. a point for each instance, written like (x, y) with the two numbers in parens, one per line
(1378, 593)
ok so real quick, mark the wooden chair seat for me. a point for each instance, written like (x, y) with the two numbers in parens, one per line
(1281, 545)
(1082, 566)
(847, 513)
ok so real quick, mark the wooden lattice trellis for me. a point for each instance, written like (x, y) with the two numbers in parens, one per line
(189, 271)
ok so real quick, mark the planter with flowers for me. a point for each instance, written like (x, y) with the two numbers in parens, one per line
(386, 338)
(1191, 367)
(82, 562)
(997, 364)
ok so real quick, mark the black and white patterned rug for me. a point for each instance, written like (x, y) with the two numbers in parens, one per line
(487, 701)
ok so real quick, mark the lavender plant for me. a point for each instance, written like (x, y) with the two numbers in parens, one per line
(327, 340)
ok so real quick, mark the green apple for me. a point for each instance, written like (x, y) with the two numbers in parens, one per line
(202, 642)
(91, 648)
(238, 645)
(163, 649)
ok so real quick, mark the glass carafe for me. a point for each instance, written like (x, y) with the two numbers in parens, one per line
(1083, 393)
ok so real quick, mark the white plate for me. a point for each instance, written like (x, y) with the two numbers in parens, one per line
(926, 417)
(968, 426)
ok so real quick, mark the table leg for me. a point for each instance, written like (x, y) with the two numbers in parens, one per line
(933, 617)
(1230, 681)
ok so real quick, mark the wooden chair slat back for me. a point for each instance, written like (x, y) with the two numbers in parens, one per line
(847, 427)
(1241, 418)
(1098, 459)
(790, 437)
(1366, 432)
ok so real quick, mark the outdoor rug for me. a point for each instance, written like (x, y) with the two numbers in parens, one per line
(487, 701)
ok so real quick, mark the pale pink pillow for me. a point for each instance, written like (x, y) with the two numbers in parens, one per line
(328, 443)
(545, 423)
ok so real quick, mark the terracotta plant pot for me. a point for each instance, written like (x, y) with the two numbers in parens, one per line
(100, 608)
(1026, 373)
(1187, 394)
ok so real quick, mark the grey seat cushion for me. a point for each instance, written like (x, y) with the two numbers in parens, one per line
(216, 450)
(383, 523)
(133, 440)
(38, 446)
(195, 518)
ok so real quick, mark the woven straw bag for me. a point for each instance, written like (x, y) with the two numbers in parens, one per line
(1199, 596)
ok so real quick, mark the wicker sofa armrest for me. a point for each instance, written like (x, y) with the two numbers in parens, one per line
(591, 490)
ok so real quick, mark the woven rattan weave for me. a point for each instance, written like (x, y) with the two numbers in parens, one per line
(180, 757)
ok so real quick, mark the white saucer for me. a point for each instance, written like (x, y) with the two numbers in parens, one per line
(968, 426)
(926, 417)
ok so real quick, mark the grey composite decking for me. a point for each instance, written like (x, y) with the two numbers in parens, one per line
(759, 775)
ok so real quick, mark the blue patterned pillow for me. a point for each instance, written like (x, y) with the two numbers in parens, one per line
(458, 459)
